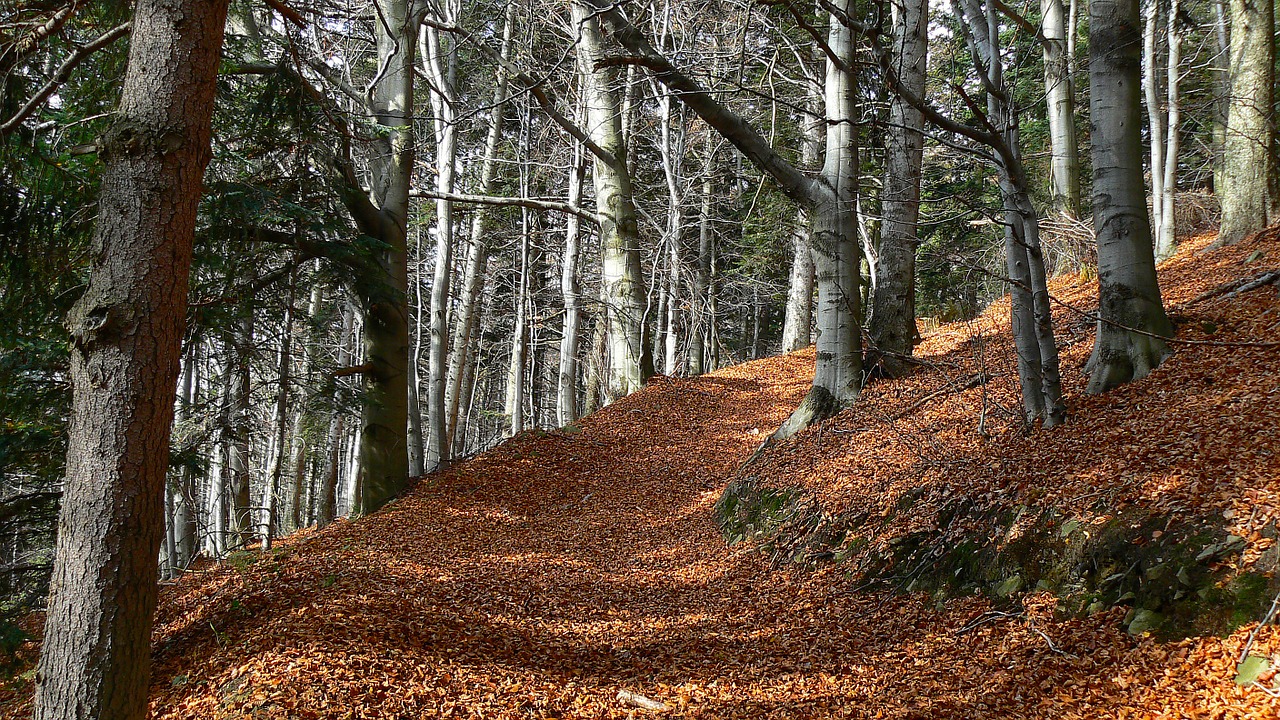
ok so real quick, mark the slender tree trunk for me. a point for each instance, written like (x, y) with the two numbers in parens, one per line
(187, 493)
(1249, 165)
(567, 397)
(1155, 115)
(327, 506)
(893, 311)
(299, 452)
(1064, 188)
(238, 457)
(1129, 296)
(477, 249)
(702, 287)
(519, 337)
(126, 336)
(1168, 226)
(275, 473)
(441, 64)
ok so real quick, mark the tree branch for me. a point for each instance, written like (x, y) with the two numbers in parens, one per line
(497, 201)
(61, 76)
(795, 184)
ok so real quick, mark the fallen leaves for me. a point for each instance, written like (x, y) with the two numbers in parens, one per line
(563, 570)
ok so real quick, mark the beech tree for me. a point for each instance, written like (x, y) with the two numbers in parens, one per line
(829, 197)
(1248, 193)
(127, 332)
(1132, 321)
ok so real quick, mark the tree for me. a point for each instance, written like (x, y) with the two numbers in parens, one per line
(126, 332)
(893, 317)
(1248, 192)
(1132, 321)
(1060, 96)
(829, 197)
(630, 358)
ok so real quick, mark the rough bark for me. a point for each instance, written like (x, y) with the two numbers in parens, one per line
(1130, 310)
(126, 340)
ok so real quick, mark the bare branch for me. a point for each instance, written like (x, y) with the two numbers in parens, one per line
(61, 76)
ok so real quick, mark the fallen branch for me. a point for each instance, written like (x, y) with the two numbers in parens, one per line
(1237, 286)
(630, 699)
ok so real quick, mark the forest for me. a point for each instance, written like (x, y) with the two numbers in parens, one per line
(595, 359)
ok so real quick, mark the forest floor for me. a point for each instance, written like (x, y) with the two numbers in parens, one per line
(540, 579)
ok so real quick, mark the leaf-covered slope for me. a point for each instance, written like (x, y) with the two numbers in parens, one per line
(540, 579)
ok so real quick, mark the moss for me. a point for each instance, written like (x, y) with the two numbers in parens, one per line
(1170, 572)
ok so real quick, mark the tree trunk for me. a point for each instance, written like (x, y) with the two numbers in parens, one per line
(1129, 296)
(1249, 164)
(477, 251)
(383, 214)
(126, 336)
(1064, 186)
(327, 505)
(1155, 115)
(186, 512)
(238, 455)
(1167, 228)
(275, 473)
(700, 325)
(621, 275)
(519, 337)
(441, 66)
(567, 396)
(893, 311)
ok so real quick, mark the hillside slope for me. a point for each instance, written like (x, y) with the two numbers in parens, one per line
(539, 580)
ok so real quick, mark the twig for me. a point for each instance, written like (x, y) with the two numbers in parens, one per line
(1275, 603)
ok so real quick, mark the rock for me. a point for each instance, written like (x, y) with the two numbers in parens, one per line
(1144, 620)
(1252, 667)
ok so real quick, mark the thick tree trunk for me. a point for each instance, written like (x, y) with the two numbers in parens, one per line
(383, 214)
(621, 276)
(1249, 164)
(1130, 311)
(893, 312)
(126, 336)
(1064, 171)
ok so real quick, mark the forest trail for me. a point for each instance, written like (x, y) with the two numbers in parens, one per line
(540, 579)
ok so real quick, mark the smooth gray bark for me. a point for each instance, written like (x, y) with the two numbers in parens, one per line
(1249, 164)
(1131, 317)
(1064, 169)
(893, 317)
